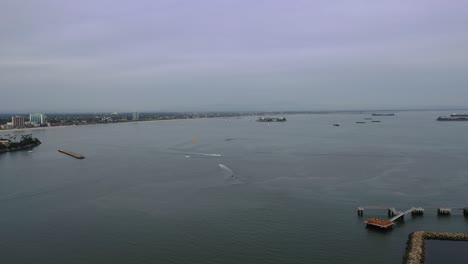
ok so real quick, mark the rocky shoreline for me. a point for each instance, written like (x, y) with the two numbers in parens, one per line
(415, 245)
(10, 144)
(27, 147)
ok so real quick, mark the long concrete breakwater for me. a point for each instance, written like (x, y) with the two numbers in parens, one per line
(415, 251)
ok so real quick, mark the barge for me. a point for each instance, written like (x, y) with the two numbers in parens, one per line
(452, 118)
(72, 154)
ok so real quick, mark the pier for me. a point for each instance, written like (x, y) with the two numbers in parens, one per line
(401, 215)
(395, 215)
(72, 154)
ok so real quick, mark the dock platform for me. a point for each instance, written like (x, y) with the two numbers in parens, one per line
(383, 224)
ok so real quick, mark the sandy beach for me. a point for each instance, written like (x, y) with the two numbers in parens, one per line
(6, 131)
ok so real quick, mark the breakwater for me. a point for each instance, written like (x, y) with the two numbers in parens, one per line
(414, 253)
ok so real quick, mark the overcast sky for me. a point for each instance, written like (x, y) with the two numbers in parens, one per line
(116, 55)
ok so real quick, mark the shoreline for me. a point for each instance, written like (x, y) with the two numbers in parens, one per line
(115, 123)
(27, 147)
(140, 121)
(173, 119)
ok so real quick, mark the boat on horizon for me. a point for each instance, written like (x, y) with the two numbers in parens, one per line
(459, 115)
(383, 114)
(451, 118)
(272, 119)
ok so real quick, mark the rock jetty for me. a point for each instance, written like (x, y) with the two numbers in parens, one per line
(415, 245)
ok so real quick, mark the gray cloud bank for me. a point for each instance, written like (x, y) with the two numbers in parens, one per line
(111, 55)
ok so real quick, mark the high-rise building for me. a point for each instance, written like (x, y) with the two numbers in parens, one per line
(136, 116)
(37, 118)
(18, 121)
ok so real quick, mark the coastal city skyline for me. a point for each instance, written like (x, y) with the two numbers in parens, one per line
(232, 55)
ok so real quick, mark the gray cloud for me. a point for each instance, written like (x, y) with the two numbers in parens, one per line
(168, 55)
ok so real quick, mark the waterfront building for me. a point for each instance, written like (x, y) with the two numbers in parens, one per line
(37, 118)
(136, 116)
(6, 126)
(5, 142)
(18, 121)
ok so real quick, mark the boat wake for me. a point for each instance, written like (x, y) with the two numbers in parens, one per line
(203, 154)
(227, 172)
(229, 175)
(195, 154)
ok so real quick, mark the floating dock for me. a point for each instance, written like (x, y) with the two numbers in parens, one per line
(69, 153)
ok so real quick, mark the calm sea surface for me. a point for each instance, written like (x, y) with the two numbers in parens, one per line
(143, 196)
(453, 252)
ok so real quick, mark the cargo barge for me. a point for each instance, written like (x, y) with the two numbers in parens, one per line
(72, 154)
(452, 118)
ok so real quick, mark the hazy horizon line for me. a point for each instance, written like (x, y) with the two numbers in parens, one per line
(242, 111)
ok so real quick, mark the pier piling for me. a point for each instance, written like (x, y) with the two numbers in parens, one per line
(360, 211)
(392, 212)
(418, 211)
(444, 211)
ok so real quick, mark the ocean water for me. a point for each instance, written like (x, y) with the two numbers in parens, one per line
(144, 195)
(440, 251)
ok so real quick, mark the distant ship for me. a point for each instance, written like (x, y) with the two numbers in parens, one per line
(271, 119)
(459, 115)
(452, 118)
(383, 114)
